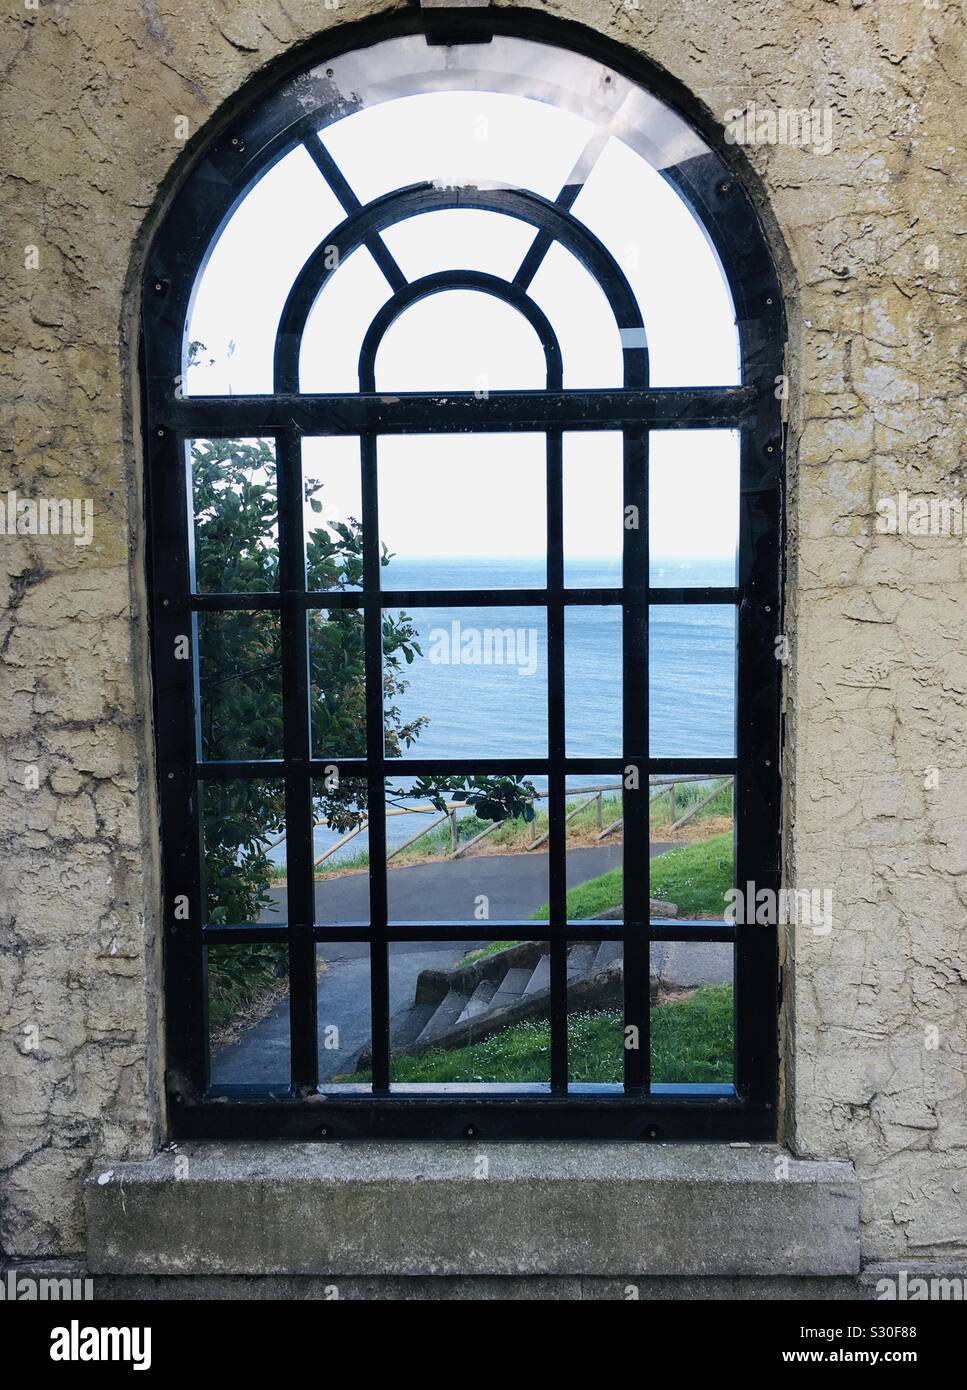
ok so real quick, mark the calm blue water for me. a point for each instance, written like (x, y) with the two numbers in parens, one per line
(483, 683)
(492, 710)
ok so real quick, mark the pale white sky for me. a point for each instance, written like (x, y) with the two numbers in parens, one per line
(483, 495)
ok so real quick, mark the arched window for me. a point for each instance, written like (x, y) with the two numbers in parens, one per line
(463, 438)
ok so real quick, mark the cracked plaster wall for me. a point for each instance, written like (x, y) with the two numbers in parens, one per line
(877, 687)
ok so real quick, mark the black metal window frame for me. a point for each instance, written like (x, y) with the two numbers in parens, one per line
(640, 1110)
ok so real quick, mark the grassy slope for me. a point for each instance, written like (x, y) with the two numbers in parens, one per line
(694, 877)
(690, 1041)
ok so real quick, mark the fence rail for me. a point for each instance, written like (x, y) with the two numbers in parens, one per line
(658, 786)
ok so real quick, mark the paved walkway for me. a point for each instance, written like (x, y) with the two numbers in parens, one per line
(445, 890)
(516, 886)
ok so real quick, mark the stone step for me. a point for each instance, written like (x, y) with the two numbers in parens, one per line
(607, 953)
(580, 959)
(444, 1016)
(540, 981)
(479, 1001)
(408, 1026)
(512, 986)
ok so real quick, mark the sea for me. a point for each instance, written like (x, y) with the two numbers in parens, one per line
(480, 678)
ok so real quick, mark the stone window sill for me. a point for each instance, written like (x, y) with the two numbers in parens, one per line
(473, 1209)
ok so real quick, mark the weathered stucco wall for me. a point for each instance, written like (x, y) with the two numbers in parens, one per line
(878, 623)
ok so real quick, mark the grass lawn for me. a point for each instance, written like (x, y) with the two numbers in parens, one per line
(691, 1040)
(694, 877)
(488, 950)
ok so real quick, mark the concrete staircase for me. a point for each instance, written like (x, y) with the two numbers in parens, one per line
(479, 997)
(474, 1000)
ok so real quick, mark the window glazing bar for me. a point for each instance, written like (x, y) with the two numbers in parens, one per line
(635, 796)
(298, 793)
(375, 783)
(337, 181)
(425, 412)
(556, 725)
(454, 598)
(543, 242)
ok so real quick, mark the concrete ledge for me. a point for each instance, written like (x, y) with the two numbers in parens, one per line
(473, 1209)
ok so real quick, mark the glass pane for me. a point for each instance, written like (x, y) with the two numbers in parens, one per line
(459, 239)
(461, 340)
(692, 847)
(457, 137)
(595, 844)
(692, 680)
(337, 682)
(693, 508)
(333, 509)
(341, 850)
(472, 860)
(692, 855)
(463, 511)
(343, 1012)
(513, 135)
(593, 509)
(595, 1008)
(671, 266)
(240, 685)
(338, 323)
(243, 845)
(582, 319)
(692, 1003)
(248, 1015)
(470, 1012)
(276, 227)
(235, 510)
(592, 676)
(465, 682)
